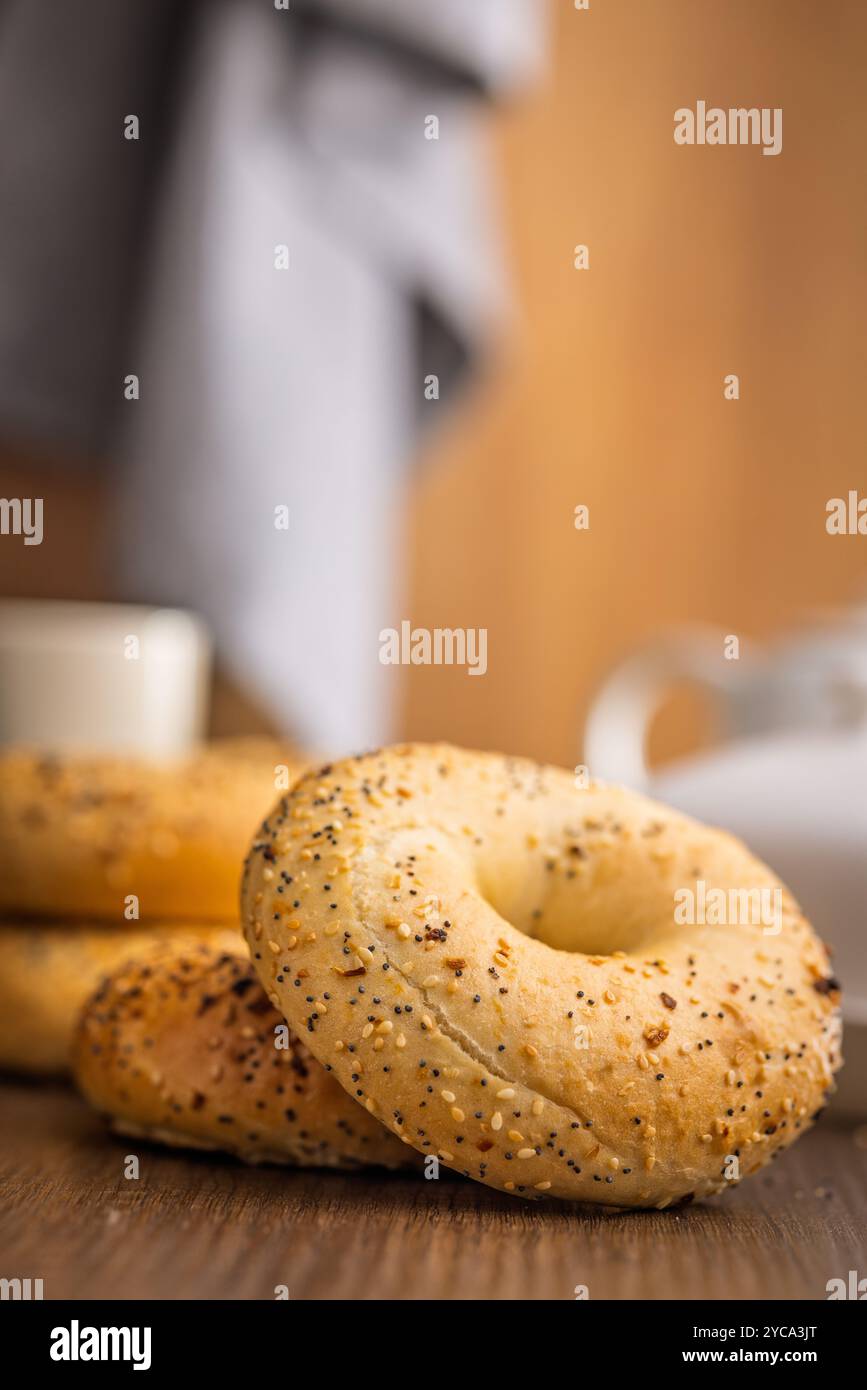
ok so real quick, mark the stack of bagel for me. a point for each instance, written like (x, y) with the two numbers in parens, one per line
(104, 858)
(456, 958)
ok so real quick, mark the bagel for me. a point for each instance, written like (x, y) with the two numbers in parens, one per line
(180, 1046)
(488, 958)
(47, 972)
(79, 834)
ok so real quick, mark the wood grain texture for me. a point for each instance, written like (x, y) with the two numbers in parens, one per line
(703, 261)
(205, 1227)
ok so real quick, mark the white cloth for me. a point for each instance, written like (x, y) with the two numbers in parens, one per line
(263, 387)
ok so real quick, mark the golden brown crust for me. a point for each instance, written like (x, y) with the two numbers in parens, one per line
(182, 1046)
(47, 972)
(490, 960)
(78, 835)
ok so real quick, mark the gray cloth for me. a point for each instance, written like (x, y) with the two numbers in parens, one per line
(263, 387)
(77, 204)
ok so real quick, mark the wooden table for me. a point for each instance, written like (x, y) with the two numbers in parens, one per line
(205, 1227)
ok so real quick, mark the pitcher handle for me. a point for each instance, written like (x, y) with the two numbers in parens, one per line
(615, 731)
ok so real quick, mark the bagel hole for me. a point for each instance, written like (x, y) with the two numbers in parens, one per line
(575, 915)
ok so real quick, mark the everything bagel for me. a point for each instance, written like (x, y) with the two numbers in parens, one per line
(488, 958)
(47, 972)
(179, 1046)
(79, 833)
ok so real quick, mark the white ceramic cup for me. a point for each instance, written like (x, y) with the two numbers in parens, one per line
(102, 676)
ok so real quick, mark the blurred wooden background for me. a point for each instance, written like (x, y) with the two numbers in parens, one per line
(609, 389)
(703, 261)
